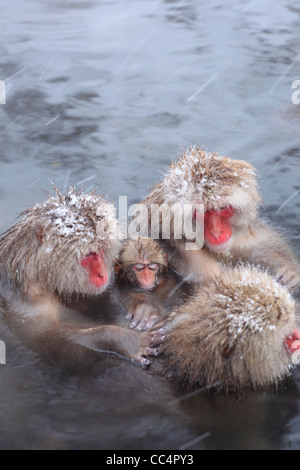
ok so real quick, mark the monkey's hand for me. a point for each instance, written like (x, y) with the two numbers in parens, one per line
(139, 346)
(144, 316)
(293, 342)
(288, 277)
(131, 344)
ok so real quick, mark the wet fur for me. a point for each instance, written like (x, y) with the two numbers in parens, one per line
(231, 334)
(40, 270)
(45, 247)
(217, 181)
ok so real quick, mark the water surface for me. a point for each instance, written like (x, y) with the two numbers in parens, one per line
(103, 94)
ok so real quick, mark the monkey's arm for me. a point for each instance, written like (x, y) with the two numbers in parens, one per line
(194, 265)
(126, 343)
(269, 248)
(74, 344)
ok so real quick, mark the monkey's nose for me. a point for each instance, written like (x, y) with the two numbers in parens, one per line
(216, 233)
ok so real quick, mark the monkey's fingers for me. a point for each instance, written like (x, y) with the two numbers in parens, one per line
(148, 320)
(166, 324)
(144, 317)
(137, 315)
(145, 344)
(154, 351)
(144, 321)
(153, 319)
(144, 361)
(141, 360)
(157, 337)
(141, 357)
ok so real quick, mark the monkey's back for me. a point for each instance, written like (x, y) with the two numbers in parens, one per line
(231, 333)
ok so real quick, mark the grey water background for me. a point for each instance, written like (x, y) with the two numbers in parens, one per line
(103, 94)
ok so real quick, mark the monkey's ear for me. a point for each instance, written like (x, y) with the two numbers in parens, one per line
(117, 267)
(166, 256)
(39, 234)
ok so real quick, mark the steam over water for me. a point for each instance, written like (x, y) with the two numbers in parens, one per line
(103, 94)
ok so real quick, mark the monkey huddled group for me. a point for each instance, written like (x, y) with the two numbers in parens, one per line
(233, 331)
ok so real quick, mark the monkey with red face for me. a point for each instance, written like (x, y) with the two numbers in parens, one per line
(63, 248)
(237, 330)
(147, 287)
(233, 232)
(142, 264)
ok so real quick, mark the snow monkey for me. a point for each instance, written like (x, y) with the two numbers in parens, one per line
(231, 334)
(65, 247)
(228, 190)
(145, 283)
(142, 263)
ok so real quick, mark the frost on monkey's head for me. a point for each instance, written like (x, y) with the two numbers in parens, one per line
(234, 331)
(209, 179)
(49, 243)
(142, 250)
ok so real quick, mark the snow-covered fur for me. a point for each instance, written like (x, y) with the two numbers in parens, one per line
(47, 245)
(208, 178)
(231, 333)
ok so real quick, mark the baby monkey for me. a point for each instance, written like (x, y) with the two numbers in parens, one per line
(144, 281)
(142, 263)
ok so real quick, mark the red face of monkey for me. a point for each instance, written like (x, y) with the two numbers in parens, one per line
(94, 264)
(217, 228)
(146, 275)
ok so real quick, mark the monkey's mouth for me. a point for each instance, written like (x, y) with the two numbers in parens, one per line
(145, 287)
(220, 248)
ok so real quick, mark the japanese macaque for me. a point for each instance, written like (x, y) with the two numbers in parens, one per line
(231, 334)
(142, 270)
(142, 263)
(65, 247)
(228, 191)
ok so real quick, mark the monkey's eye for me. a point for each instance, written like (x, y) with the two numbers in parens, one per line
(139, 267)
(153, 266)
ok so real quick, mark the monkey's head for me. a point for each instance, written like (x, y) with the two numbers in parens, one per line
(142, 263)
(233, 332)
(227, 189)
(67, 245)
